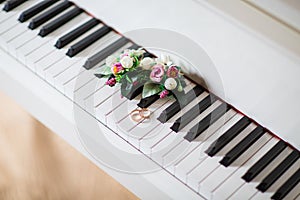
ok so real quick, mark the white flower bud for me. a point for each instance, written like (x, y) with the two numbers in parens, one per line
(126, 62)
(170, 84)
(146, 63)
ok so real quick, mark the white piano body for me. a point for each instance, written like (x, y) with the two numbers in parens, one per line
(256, 56)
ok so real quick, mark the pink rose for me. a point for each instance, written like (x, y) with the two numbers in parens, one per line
(172, 72)
(157, 73)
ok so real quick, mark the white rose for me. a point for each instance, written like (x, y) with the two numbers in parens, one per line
(170, 84)
(126, 62)
(139, 52)
(110, 60)
(146, 63)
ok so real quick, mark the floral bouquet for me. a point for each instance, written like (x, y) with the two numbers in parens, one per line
(164, 78)
(155, 76)
(117, 66)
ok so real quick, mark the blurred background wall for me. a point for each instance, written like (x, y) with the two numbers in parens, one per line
(36, 164)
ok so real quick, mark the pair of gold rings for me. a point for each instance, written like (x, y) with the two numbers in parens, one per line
(140, 114)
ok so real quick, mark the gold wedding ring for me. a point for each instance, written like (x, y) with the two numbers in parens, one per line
(140, 114)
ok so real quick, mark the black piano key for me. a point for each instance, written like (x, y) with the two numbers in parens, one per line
(148, 101)
(148, 54)
(44, 17)
(187, 117)
(101, 55)
(229, 135)
(278, 171)
(1, 1)
(36, 9)
(175, 107)
(10, 5)
(241, 147)
(74, 34)
(136, 90)
(264, 161)
(55, 24)
(287, 186)
(204, 124)
(84, 43)
(134, 46)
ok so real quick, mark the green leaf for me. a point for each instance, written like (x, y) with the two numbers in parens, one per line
(103, 70)
(150, 89)
(128, 79)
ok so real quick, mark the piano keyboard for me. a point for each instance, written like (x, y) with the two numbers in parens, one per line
(226, 154)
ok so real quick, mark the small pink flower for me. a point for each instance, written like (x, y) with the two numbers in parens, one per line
(111, 82)
(163, 94)
(157, 73)
(172, 72)
(117, 68)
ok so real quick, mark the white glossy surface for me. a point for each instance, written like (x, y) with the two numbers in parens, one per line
(259, 69)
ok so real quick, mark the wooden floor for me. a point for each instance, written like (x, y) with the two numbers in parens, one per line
(36, 164)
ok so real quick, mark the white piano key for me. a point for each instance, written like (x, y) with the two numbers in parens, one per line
(193, 158)
(122, 111)
(207, 133)
(12, 45)
(8, 24)
(150, 130)
(145, 126)
(60, 74)
(6, 15)
(50, 39)
(114, 101)
(21, 40)
(101, 95)
(88, 90)
(136, 130)
(67, 79)
(249, 189)
(72, 83)
(147, 139)
(211, 164)
(11, 34)
(54, 57)
(45, 49)
(234, 182)
(31, 46)
(38, 54)
(48, 61)
(169, 154)
(59, 68)
(211, 183)
(145, 129)
(152, 137)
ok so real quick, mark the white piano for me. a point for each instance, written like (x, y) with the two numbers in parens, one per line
(248, 54)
